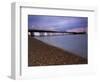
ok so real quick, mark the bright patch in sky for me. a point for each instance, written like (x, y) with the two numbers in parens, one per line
(58, 23)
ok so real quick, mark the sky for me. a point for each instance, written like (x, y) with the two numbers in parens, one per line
(58, 23)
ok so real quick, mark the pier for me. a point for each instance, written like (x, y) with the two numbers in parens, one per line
(33, 32)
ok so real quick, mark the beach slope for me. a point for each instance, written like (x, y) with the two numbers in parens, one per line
(42, 54)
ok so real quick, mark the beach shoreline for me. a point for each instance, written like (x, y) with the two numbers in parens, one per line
(42, 54)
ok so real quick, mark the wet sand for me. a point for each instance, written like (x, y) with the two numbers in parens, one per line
(42, 54)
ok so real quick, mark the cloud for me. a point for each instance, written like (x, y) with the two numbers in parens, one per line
(77, 30)
(56, 22)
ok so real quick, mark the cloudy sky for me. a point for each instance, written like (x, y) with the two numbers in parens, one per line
(58, 23)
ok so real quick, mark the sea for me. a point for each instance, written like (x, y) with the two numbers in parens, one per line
(76, 44)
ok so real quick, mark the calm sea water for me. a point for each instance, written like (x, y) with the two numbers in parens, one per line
(76, 44)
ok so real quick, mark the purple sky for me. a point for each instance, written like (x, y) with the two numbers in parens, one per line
(58, 23)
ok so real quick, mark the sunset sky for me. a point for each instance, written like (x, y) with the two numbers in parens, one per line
(58, 23)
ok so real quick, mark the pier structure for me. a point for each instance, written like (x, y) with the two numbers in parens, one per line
(33, 32)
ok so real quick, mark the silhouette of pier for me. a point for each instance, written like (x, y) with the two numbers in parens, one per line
(34, 32)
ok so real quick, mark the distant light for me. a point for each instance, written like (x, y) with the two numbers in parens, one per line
(45, 34)
(29, 33)
(36, 33)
